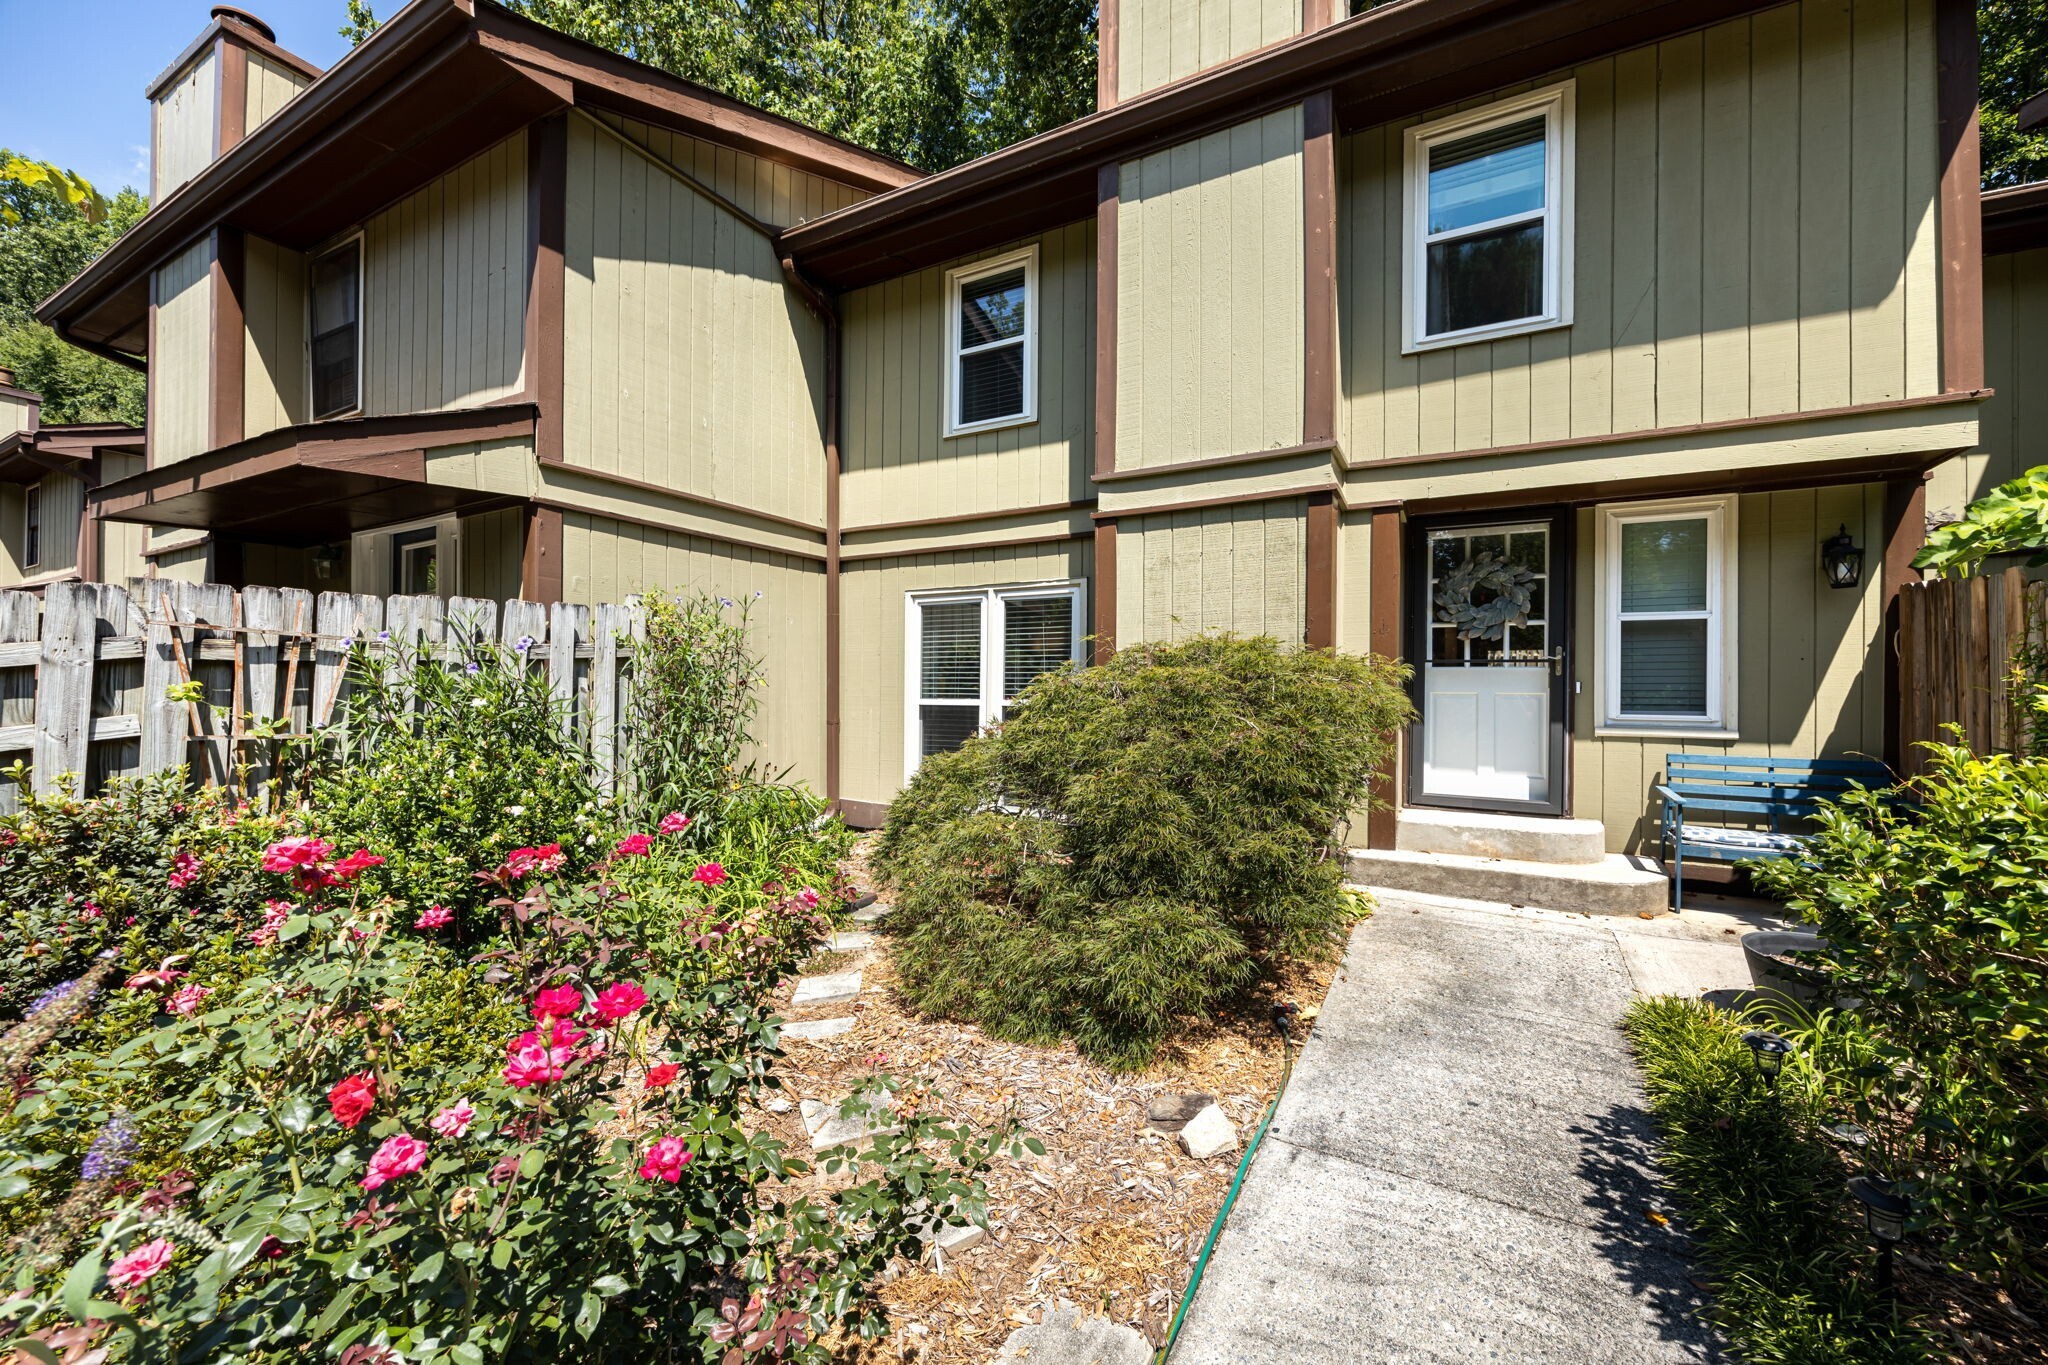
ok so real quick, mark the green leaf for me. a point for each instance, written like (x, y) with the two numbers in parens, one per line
(609, 1285)
(206, 1131)
(13, 1186)
(501, 1255)
(34, 1349)
(79, 1283)
(293, 928)
(587, 1316)
(247, 1125)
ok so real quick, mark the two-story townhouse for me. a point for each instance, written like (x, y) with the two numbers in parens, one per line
(48, 530)
(1334, 327)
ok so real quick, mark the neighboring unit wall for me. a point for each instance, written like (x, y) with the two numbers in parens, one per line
(898, 464)
(1809, 669)
(121, 542)
(181, 359)
(605, 561)
(1210, 296)
(1159, 41)
(775, 194)
(62, 500)
(271, 87)
(444, 289)
(274, 309)
(689, 362)
(185, 126)
(1240, 568)
(873, 665)
(1755, 234)
(2012, 425)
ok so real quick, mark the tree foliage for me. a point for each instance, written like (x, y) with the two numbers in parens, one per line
(2012, 37)
(2012, 518)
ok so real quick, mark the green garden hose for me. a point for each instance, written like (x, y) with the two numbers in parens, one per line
(1281, 1014)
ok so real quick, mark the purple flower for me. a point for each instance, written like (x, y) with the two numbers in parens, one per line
(524, 643)
(112, 1152)
(61, 991)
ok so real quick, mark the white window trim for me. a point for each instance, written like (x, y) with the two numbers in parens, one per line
(956, 281)
(362, 320)
(370, 556)
(992, 618)
(1556, 103)
(32, 496)
(1719, 722)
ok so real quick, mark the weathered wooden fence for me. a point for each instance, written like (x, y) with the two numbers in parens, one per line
(1958, 638)
(91, 673)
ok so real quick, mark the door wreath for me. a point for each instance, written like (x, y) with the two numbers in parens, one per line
(1484, 573)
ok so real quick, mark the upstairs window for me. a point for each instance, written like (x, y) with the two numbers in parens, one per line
(971, 653)
(32, 526)
(992, 340)
(1489, 223)
(336, 323)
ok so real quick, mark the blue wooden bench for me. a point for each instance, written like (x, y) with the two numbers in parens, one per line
(1764, 792)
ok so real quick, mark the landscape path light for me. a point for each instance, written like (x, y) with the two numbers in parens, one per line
(1770, 1051)
(1884, 1211)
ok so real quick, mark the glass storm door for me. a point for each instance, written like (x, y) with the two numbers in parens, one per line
(1492, 666)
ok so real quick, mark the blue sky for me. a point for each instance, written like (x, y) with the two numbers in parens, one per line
(76, 71)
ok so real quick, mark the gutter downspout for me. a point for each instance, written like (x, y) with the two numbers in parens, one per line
(829, 311)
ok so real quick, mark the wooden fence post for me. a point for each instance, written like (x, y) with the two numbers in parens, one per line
(71, 624)
(568, 625)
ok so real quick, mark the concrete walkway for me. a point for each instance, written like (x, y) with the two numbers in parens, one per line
(1460, 1169)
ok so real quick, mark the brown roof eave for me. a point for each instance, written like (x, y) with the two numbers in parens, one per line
(2015, 218)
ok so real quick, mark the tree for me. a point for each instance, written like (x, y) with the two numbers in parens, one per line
(2012, 37)
(53, 223)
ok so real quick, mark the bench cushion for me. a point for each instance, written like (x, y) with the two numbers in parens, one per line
(1758, 840)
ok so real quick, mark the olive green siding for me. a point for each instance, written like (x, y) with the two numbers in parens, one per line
(121, 542)
(283, 566)
(14, 414)
(774, 194)
(1240, 568)
(444, 289)
(271, 86)
(689, 362)
(1754, 220)
(188, 563)
(62, 499)
(1210, 296)
(274, 355)
(181, 360)
(1159, 41)
(185, 124)
(10, 533)
(2012, 425)
(605, 561)
(493, 544)
(872, 597)
(898, 464)
(1810, 673)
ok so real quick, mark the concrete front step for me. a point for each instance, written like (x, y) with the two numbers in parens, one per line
(1480, 834)
(1619, 884)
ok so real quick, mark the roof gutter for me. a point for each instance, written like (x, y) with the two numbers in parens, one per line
(104, 352)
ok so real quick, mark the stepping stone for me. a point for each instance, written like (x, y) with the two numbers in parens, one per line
(871, 913)
(851, 942)
(1171, 1113)
(829, 989)
(827, 1129)
(953, 1239)
(1063, 1338)
(817, 1030)
(1208, 1133)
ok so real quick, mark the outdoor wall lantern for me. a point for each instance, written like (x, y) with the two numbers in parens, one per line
(1770, 1052)
(1884, 1210)
(326, 560)
(1841, 560)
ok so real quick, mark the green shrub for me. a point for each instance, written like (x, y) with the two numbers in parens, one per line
(1140, 840)
(1936, 913)
(696, 688)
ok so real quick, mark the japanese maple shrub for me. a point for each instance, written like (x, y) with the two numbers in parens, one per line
(1139, 841)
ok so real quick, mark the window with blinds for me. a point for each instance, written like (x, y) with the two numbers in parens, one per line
(1489, 249)
(972, 653)
(1667, 597)
(992, 335)
(335, 317)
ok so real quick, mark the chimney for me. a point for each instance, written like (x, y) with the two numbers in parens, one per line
(215, 92)
(237, 15)
(6, 378)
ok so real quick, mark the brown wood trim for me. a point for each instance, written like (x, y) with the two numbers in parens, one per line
(2015, 218)
(669, 491)
(1108, 47)
(806, 555)
(1319, 252)
(1042, 509)
(1960, 224)
(228, 339)
(88, 538)
(231, 114)
(540, 560)
(1008, 543)
(1905, 531)
(2033, 113)
(1320, 603)
(863, 814)
(1268, 495)
(236, 31)
(1381, 822)
(149, 384)
(1105, 591)
(835, 363)
(1778, 419)
(1225, 461)
(1108, 186)
(547, 224)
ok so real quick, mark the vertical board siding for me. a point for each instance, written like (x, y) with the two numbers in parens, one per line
(1809, 659)
(605, 561)
(181, 370)
(271, 88)
(1754, 235)
(1210, 296)
(274, 311)
(444, 289)
(873, 666)
(2012, 424)
(121, 542)
(689, 361)
(897, 463)
(63, 498)
(182, 144)
(777, 195)
(1240, 568)
(1159, 41)
(492, 543)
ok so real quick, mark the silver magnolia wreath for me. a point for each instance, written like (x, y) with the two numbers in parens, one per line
(1509, 606)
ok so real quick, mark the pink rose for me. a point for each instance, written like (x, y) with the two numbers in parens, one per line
(525, 862)
(355, 865)
(665, 1160)
(289, 855)
(141, 1264)
(557, 1002)
(710, 874)
(401, 1154)
(807, 898)
(634, 846)
(675, 822)
(659, 1077)
(185, 1000)
(617, 1001)
(184, 870)
(561, 1033)
(434, 917)
(533, 1065)
(352, 1098)
(453, 1121)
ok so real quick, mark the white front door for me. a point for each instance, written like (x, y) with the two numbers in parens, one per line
(1490, 665)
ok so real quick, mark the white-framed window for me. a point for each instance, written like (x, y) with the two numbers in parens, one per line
(334, 330)
(971, 652)
(32, 526)
(1667, 612)
(992, 343)
(413, 557)
(1488, 196)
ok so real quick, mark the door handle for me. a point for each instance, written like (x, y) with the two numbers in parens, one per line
(1557, 662)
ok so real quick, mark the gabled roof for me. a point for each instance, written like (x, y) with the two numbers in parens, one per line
(26, 456)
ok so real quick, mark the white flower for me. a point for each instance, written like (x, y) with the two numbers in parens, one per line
(476, 701)
(515, 810)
